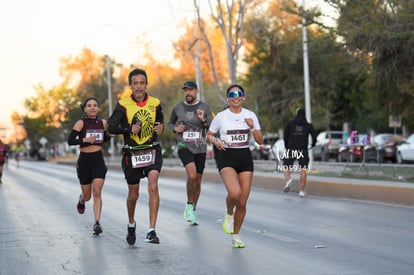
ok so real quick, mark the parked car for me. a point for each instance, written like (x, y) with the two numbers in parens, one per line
(327, 145)
(262, 151)
(351, 153)
(405, 151)
(384, 147)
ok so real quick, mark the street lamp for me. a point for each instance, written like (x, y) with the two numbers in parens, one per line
(108, 76)
(306, 73)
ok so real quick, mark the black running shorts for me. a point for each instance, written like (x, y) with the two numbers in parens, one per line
(90, 166)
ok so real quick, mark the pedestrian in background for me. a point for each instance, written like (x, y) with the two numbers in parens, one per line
(139, 118)
(190, 120)
(4, 152)
(236, 125)
(90, 134)
(296, 138)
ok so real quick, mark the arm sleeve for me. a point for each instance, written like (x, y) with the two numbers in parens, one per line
(74, 138)
(159, 117)
(114, 122)
(106, 136)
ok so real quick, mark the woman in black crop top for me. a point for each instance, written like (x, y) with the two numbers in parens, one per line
(90, 134)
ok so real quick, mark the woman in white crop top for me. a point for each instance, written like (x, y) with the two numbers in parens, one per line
(235, 125)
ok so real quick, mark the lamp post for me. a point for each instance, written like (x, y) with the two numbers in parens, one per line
(306, 73)
(108, 76)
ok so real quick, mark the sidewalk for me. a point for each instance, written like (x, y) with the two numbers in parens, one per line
(394, 192)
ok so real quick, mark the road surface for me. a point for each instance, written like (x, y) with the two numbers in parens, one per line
(42, 233)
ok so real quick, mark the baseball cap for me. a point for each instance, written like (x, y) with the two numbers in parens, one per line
(190, 84)
(300, 112)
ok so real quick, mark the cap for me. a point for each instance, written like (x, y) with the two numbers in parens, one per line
(190, 84)
(300, 112)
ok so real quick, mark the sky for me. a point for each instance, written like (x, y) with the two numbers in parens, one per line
(34, 35)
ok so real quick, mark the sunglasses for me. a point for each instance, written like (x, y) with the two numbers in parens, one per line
(234, 94)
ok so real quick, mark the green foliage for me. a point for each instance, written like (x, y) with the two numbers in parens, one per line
(275, 76)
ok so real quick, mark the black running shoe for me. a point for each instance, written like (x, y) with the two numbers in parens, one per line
(152, 237)
(97, 229)
(131, 238)
(80, 206)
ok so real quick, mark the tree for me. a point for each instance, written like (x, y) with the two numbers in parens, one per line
(19, 132)
(229, 19)
(275, 75)
(381, 34)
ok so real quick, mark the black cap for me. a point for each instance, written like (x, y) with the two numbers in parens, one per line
(190, 84)
(300, 112)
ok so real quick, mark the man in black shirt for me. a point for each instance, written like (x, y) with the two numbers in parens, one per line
(296, 138)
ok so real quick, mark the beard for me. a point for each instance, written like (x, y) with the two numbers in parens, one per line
(190, 99)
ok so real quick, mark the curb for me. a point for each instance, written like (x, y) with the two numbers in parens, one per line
(400, 193)
(385, 192)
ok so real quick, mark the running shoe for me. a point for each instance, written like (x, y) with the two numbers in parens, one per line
(131, 238)
(194, 221)
(237, 243)
(188, 212)
(97, 228)
(228, 223)
(80, 206)
(301, 194)
(152, 237)
(288, 185)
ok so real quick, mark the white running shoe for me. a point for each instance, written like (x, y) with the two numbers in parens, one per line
(237, 243)
(301, 194)
(288, 185)
(228, 223)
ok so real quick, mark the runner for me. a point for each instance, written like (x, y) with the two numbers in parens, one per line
(3, 157)
(190, 119)
(139, 118)
(89, 133)
(235, 124)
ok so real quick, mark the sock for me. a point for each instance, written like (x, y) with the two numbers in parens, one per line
(235, 236)
(151, 229)
(132, 224)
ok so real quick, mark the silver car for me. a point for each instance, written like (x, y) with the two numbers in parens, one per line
(327, 145)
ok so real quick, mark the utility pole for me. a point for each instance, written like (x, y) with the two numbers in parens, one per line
(306, 75)
(199, 81)
(108, 76)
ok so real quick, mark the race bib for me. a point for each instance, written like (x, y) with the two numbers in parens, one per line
(98, 133)
(191, 135)
(143, 158)
(237, 138)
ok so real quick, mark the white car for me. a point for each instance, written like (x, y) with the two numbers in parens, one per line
(405, 151)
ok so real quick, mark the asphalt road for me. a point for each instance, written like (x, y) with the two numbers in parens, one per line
(41, 232)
